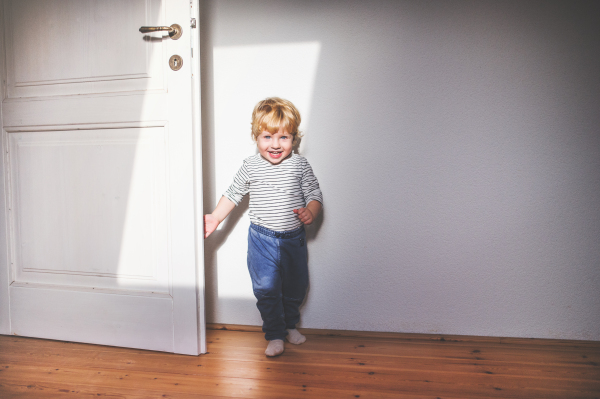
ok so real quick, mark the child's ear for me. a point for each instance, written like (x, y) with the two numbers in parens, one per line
(296, 145)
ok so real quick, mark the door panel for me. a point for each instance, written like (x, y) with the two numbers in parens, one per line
(65, 47)
(79, 220)
(99, 175)
(88, 318)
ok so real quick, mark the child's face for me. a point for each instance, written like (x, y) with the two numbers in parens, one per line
(275, 147)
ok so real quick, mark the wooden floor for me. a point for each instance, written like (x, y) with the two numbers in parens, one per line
(328, 365)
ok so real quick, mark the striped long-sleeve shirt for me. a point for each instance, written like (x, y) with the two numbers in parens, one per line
(275, 190)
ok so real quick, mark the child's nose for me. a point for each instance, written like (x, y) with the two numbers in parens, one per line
(275, 143)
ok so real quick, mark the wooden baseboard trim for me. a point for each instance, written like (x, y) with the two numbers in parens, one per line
(362, 334)
(404, 336)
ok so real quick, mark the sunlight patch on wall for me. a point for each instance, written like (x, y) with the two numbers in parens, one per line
(244, 75)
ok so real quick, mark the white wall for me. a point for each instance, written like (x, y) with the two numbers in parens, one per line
(457, 144)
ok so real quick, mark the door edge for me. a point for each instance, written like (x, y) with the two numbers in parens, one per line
(198, 184)
(4, 244)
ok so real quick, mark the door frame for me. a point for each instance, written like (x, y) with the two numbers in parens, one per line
(4, 253)
(5, 323)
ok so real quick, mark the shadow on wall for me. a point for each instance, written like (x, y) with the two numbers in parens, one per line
(211, 248)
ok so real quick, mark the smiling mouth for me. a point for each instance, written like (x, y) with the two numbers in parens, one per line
(275, 154)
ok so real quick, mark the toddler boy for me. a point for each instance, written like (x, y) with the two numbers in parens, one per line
(284, 196)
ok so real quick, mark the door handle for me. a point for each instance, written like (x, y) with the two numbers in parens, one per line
(174, 30)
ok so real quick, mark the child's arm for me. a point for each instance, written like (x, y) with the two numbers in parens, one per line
(212, 220)
(312, 195)
(309, 214)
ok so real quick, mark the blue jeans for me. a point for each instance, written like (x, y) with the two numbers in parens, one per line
(277, 262)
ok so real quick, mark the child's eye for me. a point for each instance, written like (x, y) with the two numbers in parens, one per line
(267, 137)
(285, 137)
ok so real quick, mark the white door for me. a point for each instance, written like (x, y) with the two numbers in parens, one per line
(100, 170)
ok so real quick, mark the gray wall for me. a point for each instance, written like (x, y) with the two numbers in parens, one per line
(457, 144)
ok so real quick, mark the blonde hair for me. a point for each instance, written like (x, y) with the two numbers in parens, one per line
(274, 113)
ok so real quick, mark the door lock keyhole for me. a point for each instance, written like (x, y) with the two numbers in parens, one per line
(175, 62)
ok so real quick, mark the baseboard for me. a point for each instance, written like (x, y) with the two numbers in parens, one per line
(405, 336)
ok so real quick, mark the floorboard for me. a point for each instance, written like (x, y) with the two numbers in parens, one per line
(331, 364)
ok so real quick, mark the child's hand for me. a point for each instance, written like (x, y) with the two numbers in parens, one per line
(210, 224)
(304, 215)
